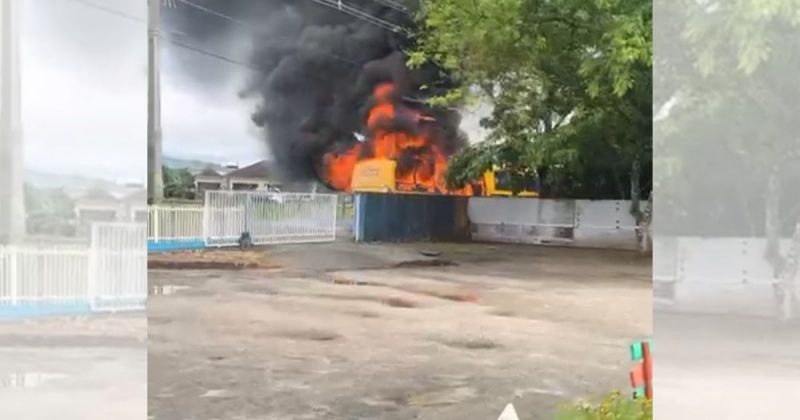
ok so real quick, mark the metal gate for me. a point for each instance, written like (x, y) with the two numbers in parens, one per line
(118, 266)
(269, 218)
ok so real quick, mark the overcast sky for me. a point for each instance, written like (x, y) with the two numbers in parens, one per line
(84, 93)
(84, 96)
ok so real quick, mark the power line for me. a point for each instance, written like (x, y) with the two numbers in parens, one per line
(392, 5)
(166, 35)
(246, 25)
(345, 8)
(228, 59)
(212, 12)
(110, 10)
(337, 4)
(360, 14)
(211, 54)
(224, 58)
(169, 35)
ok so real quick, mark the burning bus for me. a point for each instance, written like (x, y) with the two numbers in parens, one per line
(378, 175)
(403, 152)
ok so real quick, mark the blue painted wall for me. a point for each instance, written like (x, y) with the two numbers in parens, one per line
(410, 217)
(33, 310)
(174, 245)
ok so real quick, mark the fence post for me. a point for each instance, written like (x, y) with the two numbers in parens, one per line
(13, 273)
(206, 216)
(91, 287)
(357, 231)
(336, 215)
(247, 205)
(156, 227)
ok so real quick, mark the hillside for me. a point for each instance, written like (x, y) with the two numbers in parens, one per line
(190, 164)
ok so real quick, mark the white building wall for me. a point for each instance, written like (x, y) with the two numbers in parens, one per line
(582, 223)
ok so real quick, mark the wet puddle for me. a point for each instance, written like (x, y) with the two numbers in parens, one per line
(28, 379)
(165, 289)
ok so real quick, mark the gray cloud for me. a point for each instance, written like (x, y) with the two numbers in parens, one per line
(84, 88)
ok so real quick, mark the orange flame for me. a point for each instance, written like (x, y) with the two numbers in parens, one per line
(426, 174)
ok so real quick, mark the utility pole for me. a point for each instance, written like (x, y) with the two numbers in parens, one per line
(155, 180)
(12, 198)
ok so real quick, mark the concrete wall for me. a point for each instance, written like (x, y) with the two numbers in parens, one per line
(691, 274)
(714, 275)
(580, 223)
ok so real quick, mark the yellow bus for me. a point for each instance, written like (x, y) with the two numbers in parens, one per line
(499, 184)
(378, 175)
(374, 175)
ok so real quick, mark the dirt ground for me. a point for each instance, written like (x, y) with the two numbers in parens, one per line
(725, 367)
(378, 331)
(74, 368)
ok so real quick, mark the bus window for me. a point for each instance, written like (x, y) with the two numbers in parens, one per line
(531, 183)
(502, 180)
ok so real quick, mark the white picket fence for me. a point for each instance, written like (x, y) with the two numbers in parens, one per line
(32, 275)
(108, 274)
(175, 222)
(270, 218)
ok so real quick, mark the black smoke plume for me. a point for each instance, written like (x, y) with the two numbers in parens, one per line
(316, 68)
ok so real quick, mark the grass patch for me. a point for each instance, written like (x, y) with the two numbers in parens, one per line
(400, 303)
(613, 407)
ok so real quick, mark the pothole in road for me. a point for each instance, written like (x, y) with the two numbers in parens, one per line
(476, 343)
(312, 335)
(454, 296)
(507, 313)
(400, 303)
(425, 263)
(365, 314)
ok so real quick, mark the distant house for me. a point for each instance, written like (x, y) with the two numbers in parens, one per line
(96, 205)
(100, 205)
(254, 177)
(257, 176)
(135, 206)
(208, 179)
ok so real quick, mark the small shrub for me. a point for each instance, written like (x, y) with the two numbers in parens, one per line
(613, 407)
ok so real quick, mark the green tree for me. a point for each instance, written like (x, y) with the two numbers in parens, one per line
(50, 211)
(178, 183)
(732, 71)
(571, 86)
(556, 73)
